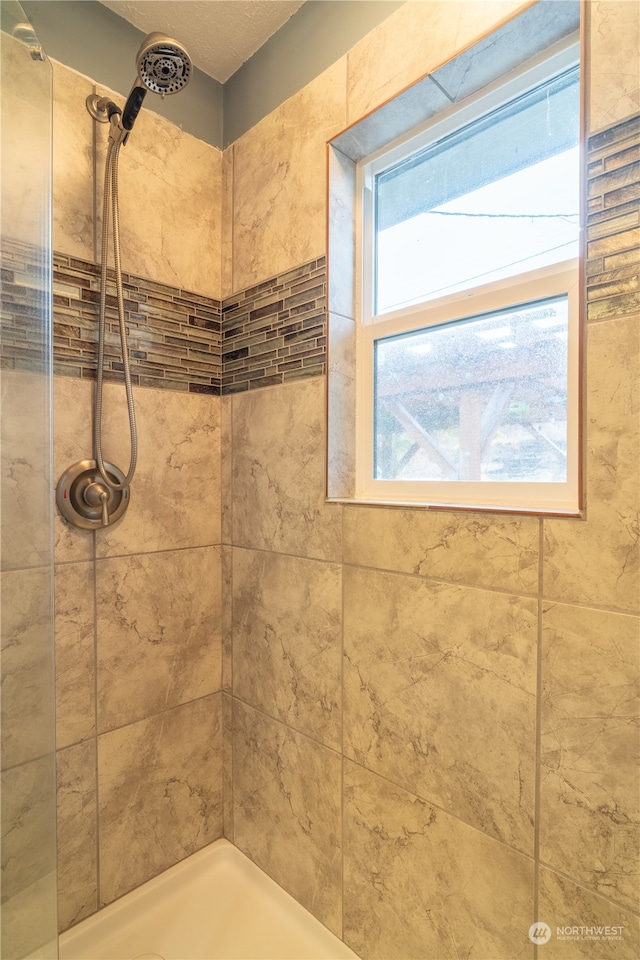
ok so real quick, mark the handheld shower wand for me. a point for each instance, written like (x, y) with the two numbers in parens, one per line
(95, 493)
(163, 66)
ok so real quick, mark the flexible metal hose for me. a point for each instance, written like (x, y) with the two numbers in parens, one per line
(110, 208)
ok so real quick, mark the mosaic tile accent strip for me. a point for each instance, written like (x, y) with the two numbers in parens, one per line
(613, 222)
(24, 338)
(276, 331)
(174, 335)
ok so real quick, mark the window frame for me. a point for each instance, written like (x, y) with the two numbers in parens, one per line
(563, 277)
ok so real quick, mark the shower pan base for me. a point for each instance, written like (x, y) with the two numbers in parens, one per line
(215, 905)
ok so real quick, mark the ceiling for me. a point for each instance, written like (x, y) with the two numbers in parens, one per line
(219, 34)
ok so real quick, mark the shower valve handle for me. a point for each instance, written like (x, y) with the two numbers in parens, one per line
(86, 501)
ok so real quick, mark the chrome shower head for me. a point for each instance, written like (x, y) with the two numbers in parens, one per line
(163, 64)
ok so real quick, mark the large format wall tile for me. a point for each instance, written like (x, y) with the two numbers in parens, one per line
(287, 640)
(72, 412)
(170, 189)
(226, 617)
(158, 625)
(27, 665)
(24, 468)
(597, 561)
(279, 475)
(175, 494)
(160, 793)
(590, 812)
(28, 825)
(614, 82)
(421, 884)
(286, 799)
(439, 695)
(279, 193)
(75, 652)
(227, 766)
(479, 549)
(77, 833)
(427, 34)
(226, 488)
(72, 163)
(29, 859)
(564, 904)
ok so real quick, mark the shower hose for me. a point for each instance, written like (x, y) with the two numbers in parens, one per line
(110, 211)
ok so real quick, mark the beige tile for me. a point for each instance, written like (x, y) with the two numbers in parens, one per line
(226, 433)
(421, 884)
(77, 833)
(24, 470)
(26, 147)
(563, 905)
(27, 665)
(483, 550)
(341, 407)
(590, 808)
(170, 186)
(429, 33)
(29, 859)
(73, 171)
(227, 766)
(175, 494)
(160, 793)
(279, 181)
(226, 267)
(439, 696)
(341, 234)
(279, 472)
(75, 653)
(158, 629)
(287, 640)
(72, 412)
(613, 30)
(286, 798)
(227, 618)
(598, 561)
(28, 825)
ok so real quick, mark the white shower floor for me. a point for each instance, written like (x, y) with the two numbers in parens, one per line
(215, 905)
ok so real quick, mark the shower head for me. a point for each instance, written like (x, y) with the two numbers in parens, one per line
(163, 64)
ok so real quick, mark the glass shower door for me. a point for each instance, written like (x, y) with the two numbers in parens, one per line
(28, 808)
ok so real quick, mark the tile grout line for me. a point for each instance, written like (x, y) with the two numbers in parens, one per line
(342, 704)
(95, 714)
(538, 733)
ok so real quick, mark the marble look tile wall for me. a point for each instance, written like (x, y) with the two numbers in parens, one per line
(278, 473)
(614, 80)
(287, 810)
(279, 196)
(379, 666)
(138, 605)
(160, 793)
(138, 613)
(420, 883)
(428, 669)
(471, 645)
(287, 640)
(170, 188)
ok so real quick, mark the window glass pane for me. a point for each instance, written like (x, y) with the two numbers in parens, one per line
(480, 399)
(495, 199)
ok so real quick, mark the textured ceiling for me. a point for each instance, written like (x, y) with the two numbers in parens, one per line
(219, 34)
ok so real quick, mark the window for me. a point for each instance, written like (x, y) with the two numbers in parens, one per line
(468, 340)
